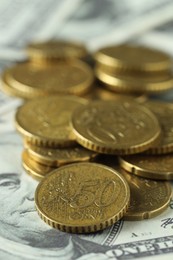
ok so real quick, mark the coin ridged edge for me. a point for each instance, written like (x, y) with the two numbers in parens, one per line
(82, 229)
(88, 228)
(46, 142)
(118, 151)
(162, 149)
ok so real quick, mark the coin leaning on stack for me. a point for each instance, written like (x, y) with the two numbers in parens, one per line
(63, 135)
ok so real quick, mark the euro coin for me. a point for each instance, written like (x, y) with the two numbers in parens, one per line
(148, 198)
(164, 112)
(9, 90)
(158, 167)
(133, 58)
(46, 121)
(63, 78)
(121, 127)
(36, 170)
(82, 197)
(62, 156)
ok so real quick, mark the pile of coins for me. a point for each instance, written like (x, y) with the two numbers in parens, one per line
(131, 69)
(97, 160)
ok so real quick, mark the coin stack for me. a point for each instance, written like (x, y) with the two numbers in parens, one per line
(48, 139)
(84, 197)
(133, 69)
(53, 68)
(97, 161)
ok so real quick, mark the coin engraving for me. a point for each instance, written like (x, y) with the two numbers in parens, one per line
(48, 119)
(82, 195)
(117, 124)
(95, 194)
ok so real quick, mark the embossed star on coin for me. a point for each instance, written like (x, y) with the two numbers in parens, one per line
(46, 121)
(115, 127)
(82, 197)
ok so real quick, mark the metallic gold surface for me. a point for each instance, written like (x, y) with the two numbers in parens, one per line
(164, 113)
(105, 94)
(135, 83)
(46, 121)
(9, 90)
(158, 167)
(35, 170)
(148, 198)
(121, 127)
(59, 157)
(56, 50)
(82, 197)
(63, 78)
(133, 58)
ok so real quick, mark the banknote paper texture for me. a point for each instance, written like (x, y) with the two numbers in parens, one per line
(23, 235)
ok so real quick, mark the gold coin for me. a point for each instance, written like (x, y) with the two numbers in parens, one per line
(121, 127)
(105, 94)
(62, 78)
(135, 83)
(9, 90)
(158, 167)
(133, 58)
(82, 197)
(148, 198)
(59, 157)
(34, 169)
(46, 121)
(56, 50)
(164, 112)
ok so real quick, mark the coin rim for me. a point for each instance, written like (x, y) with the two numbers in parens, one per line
(91, 145)
(142, 172)
(45, 141)
(113, 63)
(73, 228)
(118, 84)
(29, 170)
(79, 89)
